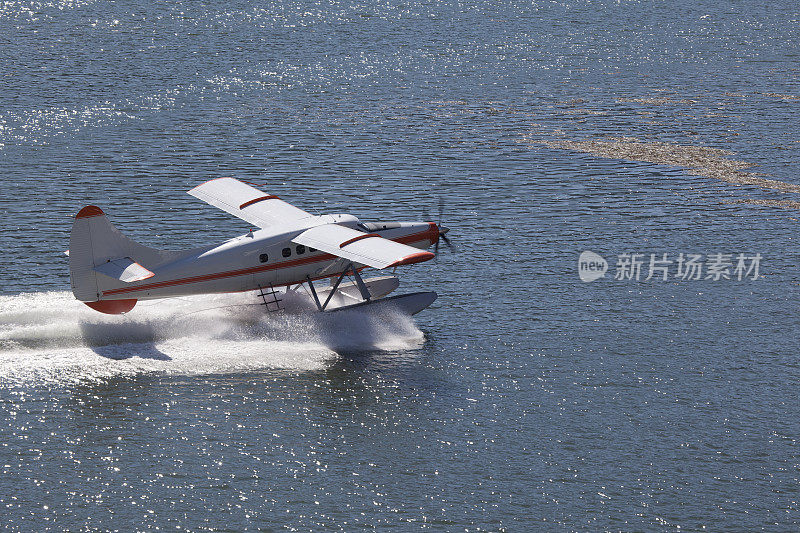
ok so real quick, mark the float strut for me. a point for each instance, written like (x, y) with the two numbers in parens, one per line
(333, 290)
(314, 293)
(360, 282)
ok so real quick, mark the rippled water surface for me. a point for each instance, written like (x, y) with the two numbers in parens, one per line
(524, 399)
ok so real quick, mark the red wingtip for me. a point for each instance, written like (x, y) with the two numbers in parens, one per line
(89, 211)
(418, 257)
(112, 307)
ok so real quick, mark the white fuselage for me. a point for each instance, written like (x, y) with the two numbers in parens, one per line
(258, 259)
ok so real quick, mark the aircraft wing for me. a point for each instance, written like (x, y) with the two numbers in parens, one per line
(359, 247)
(248, 203)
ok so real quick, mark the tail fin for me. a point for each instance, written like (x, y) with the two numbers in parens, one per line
(95, 247)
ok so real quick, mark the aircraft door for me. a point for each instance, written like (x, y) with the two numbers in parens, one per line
(265, 276)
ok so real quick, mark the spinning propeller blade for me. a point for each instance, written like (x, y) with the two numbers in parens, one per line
(442, 230)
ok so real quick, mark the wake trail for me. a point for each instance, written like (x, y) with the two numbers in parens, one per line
(50, 337)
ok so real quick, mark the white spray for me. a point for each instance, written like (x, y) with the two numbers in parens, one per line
(50, 337)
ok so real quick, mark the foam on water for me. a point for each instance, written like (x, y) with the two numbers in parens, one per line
(50, 337)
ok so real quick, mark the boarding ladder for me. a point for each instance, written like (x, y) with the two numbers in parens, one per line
(270, 297)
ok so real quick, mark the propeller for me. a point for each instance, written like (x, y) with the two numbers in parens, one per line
(442, 229)
(445, 238)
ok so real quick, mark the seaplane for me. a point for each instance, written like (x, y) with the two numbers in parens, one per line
(288, 249)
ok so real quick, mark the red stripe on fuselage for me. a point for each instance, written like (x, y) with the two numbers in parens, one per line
(428, 234)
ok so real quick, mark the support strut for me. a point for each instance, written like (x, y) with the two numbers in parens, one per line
(362, 287)
(360, 282)
(314, 293)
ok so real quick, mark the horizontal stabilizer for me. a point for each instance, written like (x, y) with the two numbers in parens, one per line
(124, 269)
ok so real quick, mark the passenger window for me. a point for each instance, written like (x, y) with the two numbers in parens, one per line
(300, 249)
(311, 250)
(263, 258)
(286, 252)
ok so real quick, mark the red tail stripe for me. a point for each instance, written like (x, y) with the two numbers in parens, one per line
(112, 307)
(89, 211)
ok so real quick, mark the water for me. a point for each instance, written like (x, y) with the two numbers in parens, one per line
(523, 399)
